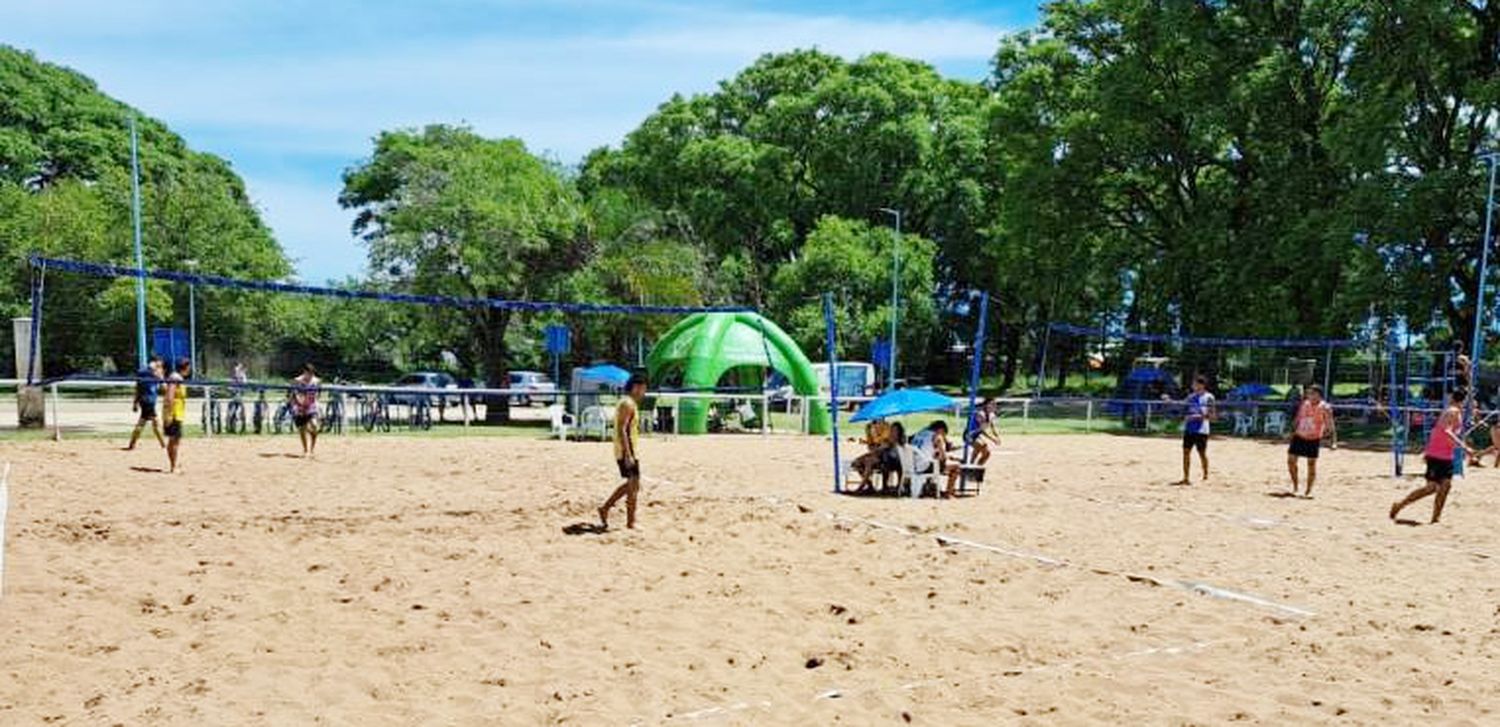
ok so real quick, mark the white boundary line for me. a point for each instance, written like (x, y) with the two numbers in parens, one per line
(1192, 586)
(1262, 522)
(946, 540)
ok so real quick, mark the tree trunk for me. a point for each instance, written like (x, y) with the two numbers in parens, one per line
(1010, 337)
(496, 364)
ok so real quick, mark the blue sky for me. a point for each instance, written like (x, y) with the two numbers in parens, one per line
(292, 92)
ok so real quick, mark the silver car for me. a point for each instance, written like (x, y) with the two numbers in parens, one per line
(531, 387)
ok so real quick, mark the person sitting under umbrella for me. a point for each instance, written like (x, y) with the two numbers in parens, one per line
(879, 455)
(934, 441)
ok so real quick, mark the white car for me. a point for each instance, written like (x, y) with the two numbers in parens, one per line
(531, 387)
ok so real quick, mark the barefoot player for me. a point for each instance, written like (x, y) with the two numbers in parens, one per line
(1195, 428)
(626, 416)
(175, 410)
(305, 408)
(1443, 444)
(147, 390)
(1314, 420)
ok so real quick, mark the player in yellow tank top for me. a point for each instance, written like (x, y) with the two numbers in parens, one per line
(627, 416)
(176, 410)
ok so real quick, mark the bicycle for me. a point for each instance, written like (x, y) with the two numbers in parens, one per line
(375, 414)
(213, 422)
(420, 415)
(333, 417)
(234, 415)
(282, 422)
(259, 415)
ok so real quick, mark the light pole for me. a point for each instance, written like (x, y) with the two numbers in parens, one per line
(140, 264)
(1477, 350)
(192, 265)
(895, 294)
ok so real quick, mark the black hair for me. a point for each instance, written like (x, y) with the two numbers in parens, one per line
(183, 363)
(898, 433)
(156, 357)
(1200, 379)
(307, 368)
(636, 379)
(1316, 388)
(1459, 395)
(938, 425)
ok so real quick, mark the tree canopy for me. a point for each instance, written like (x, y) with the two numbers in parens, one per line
(65, 192)
(1297, 168)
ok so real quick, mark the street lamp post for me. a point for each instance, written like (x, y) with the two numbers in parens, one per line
(1477, 350)
(895, 294)
(140, 264)
(192, 265)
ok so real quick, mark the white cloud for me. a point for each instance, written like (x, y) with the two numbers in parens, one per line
(310, 225)
(298, 110)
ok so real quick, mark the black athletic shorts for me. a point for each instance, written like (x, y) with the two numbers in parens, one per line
(173, 429)
(147, 409)
(1192, 440)
(629, 468)
(1439, 469)
(890, 460)
(1304, 447)
(301, 420)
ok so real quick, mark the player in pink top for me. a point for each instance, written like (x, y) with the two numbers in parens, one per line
(1442, 445)
(304, 394)
(1314, 420)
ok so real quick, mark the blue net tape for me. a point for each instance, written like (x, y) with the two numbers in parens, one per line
(1205, 341)
(119, 271)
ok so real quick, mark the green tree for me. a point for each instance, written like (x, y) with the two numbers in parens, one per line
(445, 211)
(852, 259)
(65, 192)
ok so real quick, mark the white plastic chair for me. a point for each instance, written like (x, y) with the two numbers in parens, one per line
(1275, 423)
(918, 469)
(593, 421)
(562, 421)
(1244, 424)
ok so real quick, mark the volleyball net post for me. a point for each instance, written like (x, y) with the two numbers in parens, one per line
(976, 368)
(830, 336)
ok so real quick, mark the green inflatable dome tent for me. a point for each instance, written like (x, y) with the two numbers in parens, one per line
(704, 347)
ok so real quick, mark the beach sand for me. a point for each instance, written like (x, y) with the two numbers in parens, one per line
(430, 581)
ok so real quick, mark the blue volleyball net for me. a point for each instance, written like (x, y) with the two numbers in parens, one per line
(1100, 379)
(387, 358)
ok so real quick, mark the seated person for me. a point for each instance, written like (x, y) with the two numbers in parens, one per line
(934, 441)
(877, 456)
(898, 456)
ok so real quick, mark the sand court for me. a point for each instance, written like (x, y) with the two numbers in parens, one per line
(429, 580)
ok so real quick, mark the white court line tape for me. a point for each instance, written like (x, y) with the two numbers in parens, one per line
(1259, 522)
(944, 539)
(1193, 586)
(4, 514)
(727, 709)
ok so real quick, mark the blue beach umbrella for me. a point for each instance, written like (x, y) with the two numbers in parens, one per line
(902, 401)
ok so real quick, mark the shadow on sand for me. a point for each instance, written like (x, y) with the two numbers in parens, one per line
(584, 529)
